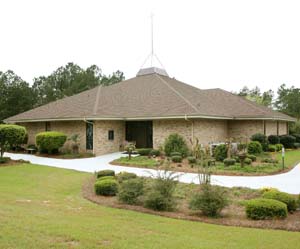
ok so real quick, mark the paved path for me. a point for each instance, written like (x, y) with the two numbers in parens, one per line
(288, 182)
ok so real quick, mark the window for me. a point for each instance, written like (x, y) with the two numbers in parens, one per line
(89, 136)
(48, 126)
(111, 135)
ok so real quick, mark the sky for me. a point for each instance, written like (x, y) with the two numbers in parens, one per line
(208, 44)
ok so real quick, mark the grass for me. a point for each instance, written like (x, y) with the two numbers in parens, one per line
(142, 161)
(42, 207)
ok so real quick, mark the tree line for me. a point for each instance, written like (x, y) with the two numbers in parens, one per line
(17, 95)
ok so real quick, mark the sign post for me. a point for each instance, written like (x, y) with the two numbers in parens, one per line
(282, 155)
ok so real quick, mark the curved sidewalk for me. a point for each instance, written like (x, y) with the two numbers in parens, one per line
(288, 182)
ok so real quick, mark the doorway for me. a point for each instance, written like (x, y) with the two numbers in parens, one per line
(140, 132)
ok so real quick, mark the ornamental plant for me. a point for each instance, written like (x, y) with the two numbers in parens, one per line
(50, 141)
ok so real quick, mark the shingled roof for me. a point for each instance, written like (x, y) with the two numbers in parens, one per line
(149, 96)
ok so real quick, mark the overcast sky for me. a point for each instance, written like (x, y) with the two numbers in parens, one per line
(208, 44)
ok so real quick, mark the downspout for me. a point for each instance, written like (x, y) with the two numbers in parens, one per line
(192, 124)
(89, 122)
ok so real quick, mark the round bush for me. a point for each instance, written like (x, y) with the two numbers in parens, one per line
(130, 190)
(106, 172)
(278, 147)
(175, 143)
(156, 201)
(106, 178)
(272, 148)
(261, 209)
(287, 141)
(286, 198)
(176, 159)
(254, 147)
(210, 200)
(106, 187)
(252, 157)
(124, 176)
(191, 159)
(297, 136)
(247, 161)
(155, 152)
(220, 152)
(259, 138)
(50, 141)
(144, 151)
(229, 161)
(297, 145)
(175, 154)
(274, 139)
(11, 135)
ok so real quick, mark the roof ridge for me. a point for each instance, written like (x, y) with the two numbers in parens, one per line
(178, 93)
(95, 109)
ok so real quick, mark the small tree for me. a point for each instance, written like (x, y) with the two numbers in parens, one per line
(75, 143)
(129, 147)
(176, 143)
(11, 135)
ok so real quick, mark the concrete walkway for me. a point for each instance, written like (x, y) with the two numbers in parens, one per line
(288, 182)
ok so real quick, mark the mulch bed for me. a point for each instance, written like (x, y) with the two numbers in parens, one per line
(233, 215)
(13, 163)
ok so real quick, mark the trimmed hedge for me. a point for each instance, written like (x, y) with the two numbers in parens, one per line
(247, 161)
(220, 152)
(144, 151)
(262, 139)
(155, 152)
(176, 159)
(131, 190)
(11, 135)
(175, 143)
(108, 187)
(274, 139)
(297, 136)
(229, 161)
(50, 141)
(192, 159)
(261, 209)
(124, 176)
(106, 178)
(296, 145)
(252, 157)
(278, 147)
(254, 147)
(286, 198)
(106, 172)
(287, 141)
(272, 148)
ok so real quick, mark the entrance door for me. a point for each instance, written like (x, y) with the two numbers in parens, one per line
(140, 132)
(89, 136)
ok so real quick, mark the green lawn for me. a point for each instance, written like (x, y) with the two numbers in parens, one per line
(142, 161)
(42, 207)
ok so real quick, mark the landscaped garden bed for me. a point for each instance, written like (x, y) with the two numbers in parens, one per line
(167, 197)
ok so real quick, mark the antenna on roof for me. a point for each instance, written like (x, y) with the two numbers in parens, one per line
(152, 55)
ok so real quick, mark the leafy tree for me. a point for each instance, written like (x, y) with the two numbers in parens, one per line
(16, 95)
(255, 95)
(288, 101)
(71, 79)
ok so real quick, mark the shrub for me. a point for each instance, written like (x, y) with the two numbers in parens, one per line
(176, 154)
(297, 145)
(106, 187)
(210, 200)
(106, 177)
(50, 141)
(254, 147)
(229, 161)
(155, 152)
(286, 198)
(261, 209)
(269, 160)
(287, 141)
(262, 139)
(144, 151)
(220, 152)
(297, 136)
(106, 172)
(274, 139)
(247, 161)
(130, 190)
(252, 157)
(278, 147)
(4, 159)
(175, 143)
(124, 176)
(176, 159)
(161, 197)
(272, 148)
(11, 135)
(191, 159)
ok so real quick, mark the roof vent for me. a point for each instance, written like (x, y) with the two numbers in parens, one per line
(152, 70)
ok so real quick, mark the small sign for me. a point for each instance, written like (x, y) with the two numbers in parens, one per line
(283, 152)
